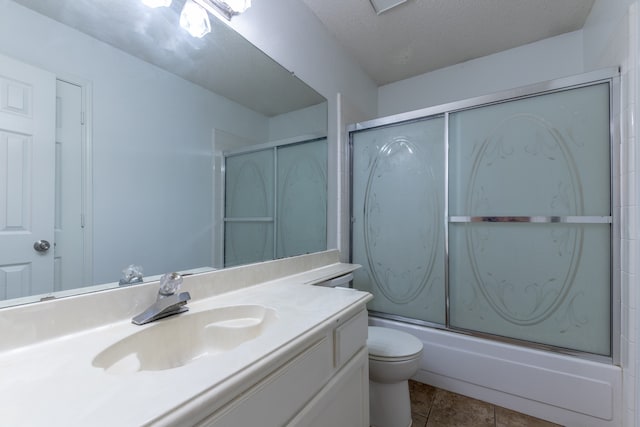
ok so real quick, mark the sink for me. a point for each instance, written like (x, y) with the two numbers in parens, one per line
(177, 341)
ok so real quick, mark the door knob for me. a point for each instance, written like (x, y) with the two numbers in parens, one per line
(41, 246)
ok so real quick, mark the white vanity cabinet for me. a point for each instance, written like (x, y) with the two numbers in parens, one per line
(324, 383)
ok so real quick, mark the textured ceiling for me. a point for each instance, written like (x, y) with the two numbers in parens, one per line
(423, 35)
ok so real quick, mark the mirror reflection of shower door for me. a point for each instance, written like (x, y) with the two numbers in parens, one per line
(275, 202)
(398, 210)
(249, 208)
(546, 281)
(302, 198)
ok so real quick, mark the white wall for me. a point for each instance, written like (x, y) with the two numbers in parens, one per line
(536, 62)
(152, 175)
(611, 39)
(606, 34)
(306, 121)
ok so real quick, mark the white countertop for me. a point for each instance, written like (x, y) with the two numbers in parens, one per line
(54, 382)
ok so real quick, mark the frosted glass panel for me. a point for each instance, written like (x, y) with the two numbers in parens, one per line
(247, 242)
(293, 176)
(249, 190)
(545, 283)
(542, 156)
(546, 155)
(398, 218)
(528, 221)
(302, 198)
(249, 195)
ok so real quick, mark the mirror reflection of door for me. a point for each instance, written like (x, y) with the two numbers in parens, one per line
(70, 218)
(34, 167)
(27, 130)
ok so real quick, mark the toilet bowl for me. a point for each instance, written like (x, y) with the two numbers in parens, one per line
(394, 357)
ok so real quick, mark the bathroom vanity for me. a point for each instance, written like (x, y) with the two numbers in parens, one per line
(260, 345)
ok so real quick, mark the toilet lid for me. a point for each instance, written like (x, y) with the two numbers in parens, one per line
(386, 343)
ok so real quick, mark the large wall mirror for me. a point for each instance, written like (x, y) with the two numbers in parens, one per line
(114, 128)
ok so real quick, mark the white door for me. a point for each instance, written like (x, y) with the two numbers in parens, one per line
(27, 150)
(69, 215)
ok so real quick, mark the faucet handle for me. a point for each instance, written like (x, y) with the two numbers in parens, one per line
(169, 284)
(131, 275)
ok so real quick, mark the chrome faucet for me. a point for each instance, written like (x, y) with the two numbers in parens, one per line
(131, 275)
(168, 302)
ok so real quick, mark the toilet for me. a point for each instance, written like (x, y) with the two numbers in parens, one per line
(394, 357)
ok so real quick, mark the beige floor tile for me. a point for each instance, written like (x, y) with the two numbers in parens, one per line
(418, 420)
(453, 410)
(432, 407)
(422, 396)
(508, 418)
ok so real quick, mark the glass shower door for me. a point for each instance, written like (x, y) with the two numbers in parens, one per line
(529, 225)
(302, 198)
(493, 217)
(398, 218)
(249, 207)
(275, 202)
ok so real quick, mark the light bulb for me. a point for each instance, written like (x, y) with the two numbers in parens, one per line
(195, 19)
(238, 6)
(157, 3)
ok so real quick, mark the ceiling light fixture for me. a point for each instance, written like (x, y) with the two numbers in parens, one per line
(381, 6)
(226, 8)
(195, 19)
(157, 3)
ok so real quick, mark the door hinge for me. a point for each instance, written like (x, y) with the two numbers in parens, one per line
(81, 220)
(82, 118)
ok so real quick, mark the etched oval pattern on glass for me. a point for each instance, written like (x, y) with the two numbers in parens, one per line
(249, 193)
(401, 216)
(303, 195)
(542, 175)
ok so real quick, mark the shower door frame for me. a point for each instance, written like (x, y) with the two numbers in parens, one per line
(610, 76)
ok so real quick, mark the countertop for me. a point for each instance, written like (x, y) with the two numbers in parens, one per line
(54, 382)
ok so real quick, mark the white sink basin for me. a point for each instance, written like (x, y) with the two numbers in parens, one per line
(179, 340)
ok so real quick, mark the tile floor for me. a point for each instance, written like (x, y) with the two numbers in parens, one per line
(433, 407)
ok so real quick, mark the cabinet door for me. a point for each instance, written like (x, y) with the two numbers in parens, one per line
(344, 401)
(275, 400)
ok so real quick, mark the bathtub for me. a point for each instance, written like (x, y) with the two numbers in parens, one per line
(559, 388)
